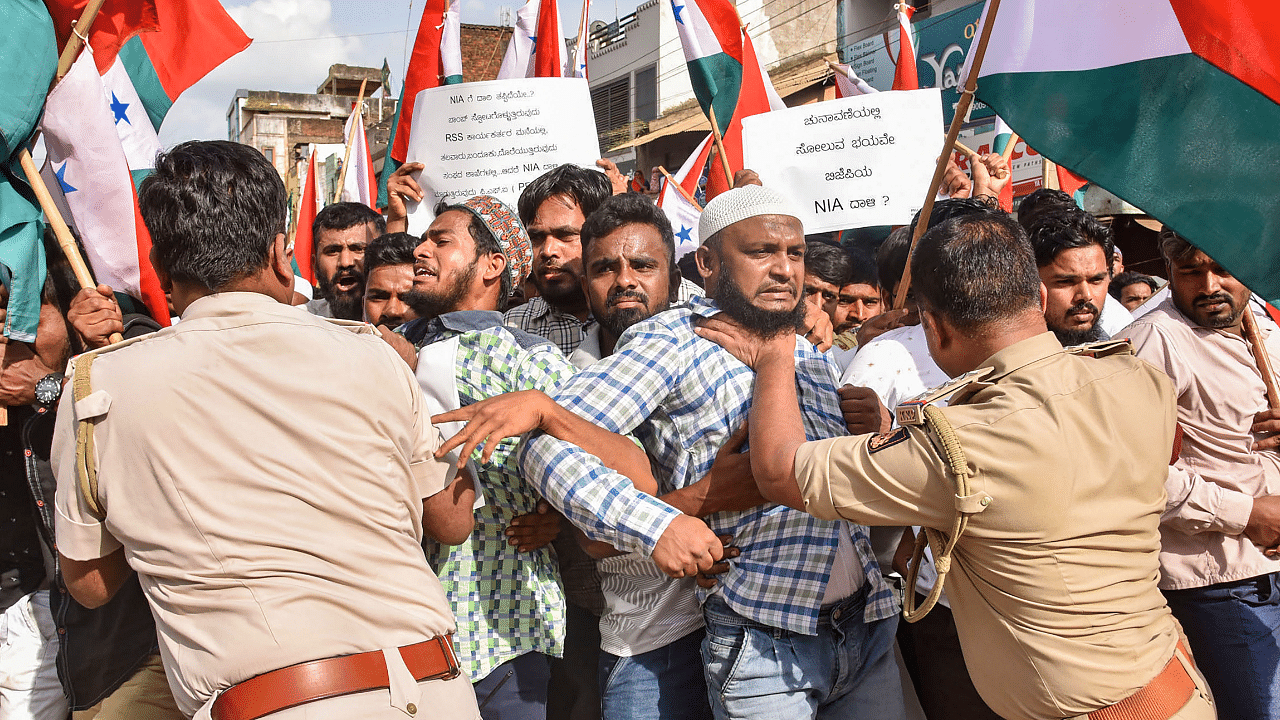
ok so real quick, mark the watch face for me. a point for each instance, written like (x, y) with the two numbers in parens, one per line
(48, 389)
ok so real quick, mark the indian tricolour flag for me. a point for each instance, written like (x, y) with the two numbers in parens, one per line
(726, 75)
(1173, 105)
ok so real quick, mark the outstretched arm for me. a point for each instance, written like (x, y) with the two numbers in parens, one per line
(514, 414)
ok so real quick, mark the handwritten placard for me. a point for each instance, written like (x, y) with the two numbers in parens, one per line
(849, 163)
(494, 138)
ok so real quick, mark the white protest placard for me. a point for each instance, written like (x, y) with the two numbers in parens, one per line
(849, 163)
(493, 138)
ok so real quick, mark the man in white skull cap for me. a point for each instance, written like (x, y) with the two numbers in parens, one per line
(802, 623)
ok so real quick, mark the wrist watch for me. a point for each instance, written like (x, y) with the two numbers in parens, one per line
(49, 389)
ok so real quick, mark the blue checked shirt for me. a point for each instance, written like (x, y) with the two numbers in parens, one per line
(682, 396)
(507, 603)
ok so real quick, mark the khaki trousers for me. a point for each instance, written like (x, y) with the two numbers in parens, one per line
(145, 696)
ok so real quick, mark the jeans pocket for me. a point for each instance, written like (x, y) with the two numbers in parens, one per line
(722, 651)
(1261, 591)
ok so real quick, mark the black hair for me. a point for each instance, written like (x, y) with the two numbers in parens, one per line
(1040, 202)
(390, 249)
(1065, 229)
(486, 244)
(828, 263)
(688, 266)
(343, 215)
(632, 209)
(975, 270)
(862, 267)
(1129, 277)
(588, 188)
(1173, 247)
(891, 258)
(213, 208)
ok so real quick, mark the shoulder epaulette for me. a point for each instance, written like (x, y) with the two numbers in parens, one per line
(1103, 349)
(911, 412)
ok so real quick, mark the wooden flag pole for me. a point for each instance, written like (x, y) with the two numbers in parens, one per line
(719, 142)
(346, 155)
(1260, 357)
(1049, 178)
(679, 188)
(965, 149)
(962, 109)
(66, 241)
(79, 35)
(1008, 149)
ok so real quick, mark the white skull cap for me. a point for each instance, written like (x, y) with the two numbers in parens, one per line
(739, 204)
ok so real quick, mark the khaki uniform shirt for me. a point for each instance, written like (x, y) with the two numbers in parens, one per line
(1212, 486)
(1053, 585)
(264, 471)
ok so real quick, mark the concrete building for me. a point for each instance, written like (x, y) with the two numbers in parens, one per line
(645, 110)
(286, 126)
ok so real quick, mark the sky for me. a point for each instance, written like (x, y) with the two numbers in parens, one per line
(295, 42)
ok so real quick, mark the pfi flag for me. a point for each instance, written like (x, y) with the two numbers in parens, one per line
(1171, 105)
(88, 165)
(675, 202)
(436, 61)
(537, 45)
(904, 72)
(848, 84)
(725, 74)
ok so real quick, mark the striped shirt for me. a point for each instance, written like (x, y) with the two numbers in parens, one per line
(682, 397)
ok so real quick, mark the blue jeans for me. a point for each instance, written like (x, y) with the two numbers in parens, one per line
(846, 671)
(662, 684)
(1234, 631)
(516, 689)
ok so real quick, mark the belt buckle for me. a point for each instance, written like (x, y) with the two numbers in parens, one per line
(446, 647)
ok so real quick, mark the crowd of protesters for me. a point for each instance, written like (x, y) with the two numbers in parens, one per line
(532, 464)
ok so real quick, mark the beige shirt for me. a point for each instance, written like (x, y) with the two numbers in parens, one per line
(264, 471)
(1053, 586)
(1212, 485)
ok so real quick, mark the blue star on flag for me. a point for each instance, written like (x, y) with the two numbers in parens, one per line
(684, 233)
(119, 109)
(61, 174)
(533, 43)
(676, 9)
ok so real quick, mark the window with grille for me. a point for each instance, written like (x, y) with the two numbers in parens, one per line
(647, 93)
(612, 104)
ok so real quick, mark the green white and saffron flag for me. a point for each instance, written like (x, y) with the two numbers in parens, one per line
(28, 60)
(1172, 105)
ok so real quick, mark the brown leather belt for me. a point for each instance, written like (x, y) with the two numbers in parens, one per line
(331, 677)
(1159, 699)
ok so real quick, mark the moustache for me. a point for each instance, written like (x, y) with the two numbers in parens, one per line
(1083, 307)
(617, 297)
(1214, 298)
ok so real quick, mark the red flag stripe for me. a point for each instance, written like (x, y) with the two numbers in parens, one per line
(904, 73)
(194, 37)
(115, 23)
(152, 294)
(547, 61)
(424, 71)
(1239, 37)
(303, 243)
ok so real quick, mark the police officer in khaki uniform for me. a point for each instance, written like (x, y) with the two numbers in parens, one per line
(268, 474)
(1047, 521)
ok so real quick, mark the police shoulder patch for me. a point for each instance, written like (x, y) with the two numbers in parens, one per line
(884, 440)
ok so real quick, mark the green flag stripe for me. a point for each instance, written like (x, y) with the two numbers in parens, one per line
(145, 80)
(717, 80)
(1192, 146)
